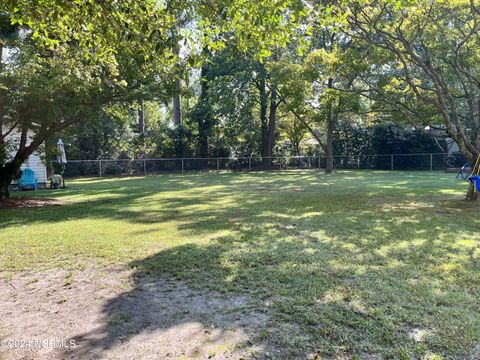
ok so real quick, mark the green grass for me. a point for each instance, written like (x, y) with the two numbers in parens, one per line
(348, 264)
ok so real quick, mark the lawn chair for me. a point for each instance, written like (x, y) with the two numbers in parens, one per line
(464, 172)
(28, 180)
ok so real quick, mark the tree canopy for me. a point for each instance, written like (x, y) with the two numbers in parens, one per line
(233, 77)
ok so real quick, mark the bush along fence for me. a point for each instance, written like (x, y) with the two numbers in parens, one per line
(105, 167)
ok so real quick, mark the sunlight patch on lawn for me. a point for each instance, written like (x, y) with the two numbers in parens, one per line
(354, 260)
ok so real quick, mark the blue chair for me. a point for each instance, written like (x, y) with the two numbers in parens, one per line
(28, 181)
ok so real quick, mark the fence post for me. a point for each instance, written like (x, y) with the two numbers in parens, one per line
(431, 162)
(100, 162)
(145, 167)
(391, 162)
(358, 162)
(319, 162)
(250, 163)
(309, 162)
(218, 164)
(182, 165)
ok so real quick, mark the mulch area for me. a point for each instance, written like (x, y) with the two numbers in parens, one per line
(24, 202)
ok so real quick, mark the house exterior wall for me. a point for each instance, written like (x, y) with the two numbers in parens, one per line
(34, 161)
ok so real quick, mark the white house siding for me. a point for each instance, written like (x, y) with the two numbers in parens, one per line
(34, 161)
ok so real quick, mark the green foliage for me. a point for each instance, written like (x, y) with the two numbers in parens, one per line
(354, 138)
(320, 58)
(394, 139)
(292, 132)
(102, 30)
(425, 62)
(382, 138)
(76, 58)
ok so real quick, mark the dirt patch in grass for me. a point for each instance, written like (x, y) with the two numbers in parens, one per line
(112, 314)
(27, 202)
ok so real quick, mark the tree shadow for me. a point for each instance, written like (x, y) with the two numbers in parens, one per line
(347, 275)
(335, 266)
(164, 318)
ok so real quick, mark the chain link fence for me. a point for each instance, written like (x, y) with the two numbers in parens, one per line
(112, 167)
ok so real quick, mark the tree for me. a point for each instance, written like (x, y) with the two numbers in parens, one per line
(433, 50)
(202, 114)
(56, 77)
(8, 37)
(235, 88)
(294, 131)
(315, 88)
(75, 57)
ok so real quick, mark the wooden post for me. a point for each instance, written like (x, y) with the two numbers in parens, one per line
(391, 162)
(100, 162)
(250, 163)
(145, 167)
(63, 174)
(431, 162)
(182, 165)
(218, 164)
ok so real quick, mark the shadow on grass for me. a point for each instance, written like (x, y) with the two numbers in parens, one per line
(129, 198)
(347, 273)
(161, 318)
(355, 264)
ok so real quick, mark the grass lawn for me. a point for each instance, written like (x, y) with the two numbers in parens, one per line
(351, 264)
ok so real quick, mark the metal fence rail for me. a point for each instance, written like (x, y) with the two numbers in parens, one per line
(103, 167)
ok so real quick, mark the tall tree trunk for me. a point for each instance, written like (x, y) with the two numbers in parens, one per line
(187, 98)
(329, 145)
(141, 126)
(204, 120)
(330, 128)
(268, 124)
(177, 110)
(203, 139)
(177, 106)
(141, 117)
(272, 118)
(262, 88)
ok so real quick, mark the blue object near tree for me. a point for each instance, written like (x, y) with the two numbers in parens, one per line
(476, 181)
(28, 180)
